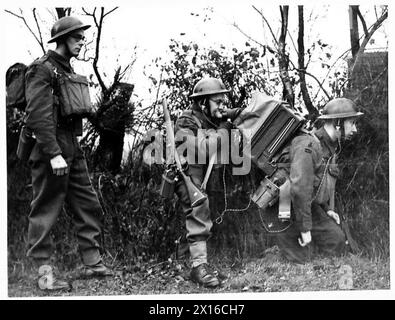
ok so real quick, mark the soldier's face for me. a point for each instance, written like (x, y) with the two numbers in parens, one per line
(350, 128)
(217, 104)
(75, 41)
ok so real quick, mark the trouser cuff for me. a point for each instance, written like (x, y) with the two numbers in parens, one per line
(198, 251)
(38, 262)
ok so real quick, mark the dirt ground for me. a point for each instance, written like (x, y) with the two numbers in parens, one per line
(269, 273)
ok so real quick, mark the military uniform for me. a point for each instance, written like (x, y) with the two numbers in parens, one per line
(56, 135)
(198, 220)
(313, 174)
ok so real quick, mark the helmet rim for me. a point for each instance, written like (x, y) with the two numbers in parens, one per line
(340, 108)
(340, 115)
(201, 87)
(78, 26)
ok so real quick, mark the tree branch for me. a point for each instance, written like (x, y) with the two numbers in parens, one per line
(267, 23)
(28, 27)
(327, 74)
(312, 76)
(283, 59)
(38, 27)
(61, 12)
(251, 39)
(303, 87)
(359, 14)
(112, 10)
(98, 25)
(365, 41)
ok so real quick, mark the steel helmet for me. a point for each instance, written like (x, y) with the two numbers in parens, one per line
(65, 26)
(340, 108)
(208, 86)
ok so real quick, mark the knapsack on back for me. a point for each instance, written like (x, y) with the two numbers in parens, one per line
(15, 86)
(270, 125)
(16, 98)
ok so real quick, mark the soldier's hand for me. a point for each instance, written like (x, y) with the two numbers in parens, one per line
(334, 216)
(305, 238)
(59, 165)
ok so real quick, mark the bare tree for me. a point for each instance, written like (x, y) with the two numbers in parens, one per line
(368, 33)
(283, 58)
(63, 12)
(302, 68)
(114, 113)
(281, 52)
(354, 32)
(36, 34)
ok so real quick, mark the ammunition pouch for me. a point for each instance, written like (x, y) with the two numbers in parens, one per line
(74, 97)
(26, 143)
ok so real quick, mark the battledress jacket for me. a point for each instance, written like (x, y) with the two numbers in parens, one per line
(43, 116)
(313, 174)
(204, 143)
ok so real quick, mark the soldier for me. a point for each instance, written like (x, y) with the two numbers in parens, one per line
(313, 174)
(208, 111)
(58, 166)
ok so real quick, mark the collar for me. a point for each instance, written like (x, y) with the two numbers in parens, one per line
(324, 138)
(60, 60)
(198, 112)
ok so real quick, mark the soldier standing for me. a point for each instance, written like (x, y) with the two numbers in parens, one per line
(208, 111)
(58, 166)
(313, 175)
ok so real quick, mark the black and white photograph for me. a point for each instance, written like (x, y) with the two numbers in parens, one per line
(177, 149)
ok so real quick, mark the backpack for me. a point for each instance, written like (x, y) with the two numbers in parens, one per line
(16, 99)
(270, 125)
(15, 86)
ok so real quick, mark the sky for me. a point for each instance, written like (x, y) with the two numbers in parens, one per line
(150, 25)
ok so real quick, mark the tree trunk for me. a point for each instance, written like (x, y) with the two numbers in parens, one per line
(303, 87)
(354, 32)
(283, 59)
(110, 122)
(110, 149)
(62, 12)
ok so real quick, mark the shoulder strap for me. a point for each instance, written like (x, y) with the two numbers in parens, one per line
(55, 74)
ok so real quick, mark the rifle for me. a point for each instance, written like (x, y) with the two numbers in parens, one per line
(196, 196)
(346, 229)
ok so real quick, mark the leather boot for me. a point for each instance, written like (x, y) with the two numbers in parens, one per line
(201, 274)
(98, 270)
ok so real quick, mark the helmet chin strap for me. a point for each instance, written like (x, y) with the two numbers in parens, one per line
(206, 107)
(341, 134)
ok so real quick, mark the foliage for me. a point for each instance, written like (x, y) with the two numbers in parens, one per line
(241, 70)
(364, 183)
(140, 226)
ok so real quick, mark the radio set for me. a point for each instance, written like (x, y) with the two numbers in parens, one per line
(270, 125)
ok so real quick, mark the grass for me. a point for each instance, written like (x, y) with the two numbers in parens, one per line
(269, 273)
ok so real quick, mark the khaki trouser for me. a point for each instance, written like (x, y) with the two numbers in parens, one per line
(327, 237)
(198, 221)
(50, 192)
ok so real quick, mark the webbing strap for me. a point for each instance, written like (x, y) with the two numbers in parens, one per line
(332, 195)
(284, 204)
(209, 169)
